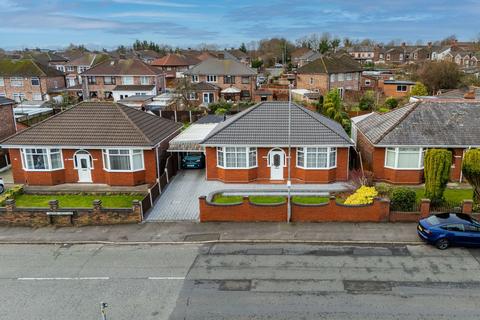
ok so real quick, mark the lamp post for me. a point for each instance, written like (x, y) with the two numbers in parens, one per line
(289, 159)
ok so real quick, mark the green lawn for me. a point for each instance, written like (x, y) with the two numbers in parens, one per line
(451, 195)
(309, 200)
(76, 201)
(221, 199)
(267, 199)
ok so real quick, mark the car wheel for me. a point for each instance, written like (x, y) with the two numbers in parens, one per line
(442, 244)
(2, 188)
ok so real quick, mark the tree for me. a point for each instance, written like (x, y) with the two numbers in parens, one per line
(333, 108)
(335, 43)
(391, 103)
(419, 89)
(257, 63)
(437, 166)
(324, 46)
(438, 75)
(243, 47)
(347, 43)
(471, 172)
(367, 101)
(185, 89)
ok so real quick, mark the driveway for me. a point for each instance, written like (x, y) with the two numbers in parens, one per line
(179, 202)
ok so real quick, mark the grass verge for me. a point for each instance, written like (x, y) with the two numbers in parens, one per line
(76, 201)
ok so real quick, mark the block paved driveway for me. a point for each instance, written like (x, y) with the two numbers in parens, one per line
(179, 202)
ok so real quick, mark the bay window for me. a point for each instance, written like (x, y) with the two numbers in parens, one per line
(236, 157)
(404, 158)
(317, 157)
(123, 160)
(42, 159)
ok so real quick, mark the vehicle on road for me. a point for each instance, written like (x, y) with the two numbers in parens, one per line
(193, 161)
(446, 229)
(2, 186)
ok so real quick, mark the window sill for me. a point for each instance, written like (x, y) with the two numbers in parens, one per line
(323, 169)
(122, 171)
(405, 169)
(246, 168)
(43, 170)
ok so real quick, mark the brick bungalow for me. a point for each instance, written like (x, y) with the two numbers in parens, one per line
(92, 142)
(252, 146)
(392, 145)
(330, 72)
(8, 127)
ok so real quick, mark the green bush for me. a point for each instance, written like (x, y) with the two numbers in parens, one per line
(471, 171)
(384, 189)
(10, 194)
(220, 105)
(367, 102)
(437, 172)
(391, 103)
(403, 199)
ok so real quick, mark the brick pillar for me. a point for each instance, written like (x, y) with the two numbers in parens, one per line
(424, 208)
(332, 201)
(384, 207)
(137, 209)
(97, 206)
(53, 204)
(10, 205)
(467, 206)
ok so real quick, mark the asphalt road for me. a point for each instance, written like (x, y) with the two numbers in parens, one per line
(233, 281)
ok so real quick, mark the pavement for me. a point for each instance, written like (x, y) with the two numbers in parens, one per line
(179, 202)
(191, 232)
(239, 281)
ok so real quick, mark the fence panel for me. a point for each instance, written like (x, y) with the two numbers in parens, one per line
(163, 181)
(401, 207)
(146, 206)
(155, 192)
(446, 206)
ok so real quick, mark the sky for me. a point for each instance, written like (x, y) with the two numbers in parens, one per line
(227, 23)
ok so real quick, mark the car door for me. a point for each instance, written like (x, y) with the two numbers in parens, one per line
(472, 234)
(455, 233)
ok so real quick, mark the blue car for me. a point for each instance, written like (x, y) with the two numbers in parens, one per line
(443, 230)
(193, 161)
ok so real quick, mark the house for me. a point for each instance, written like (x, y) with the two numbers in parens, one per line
(252, 146)
(8, 126)
(147, 56)
(297, 54)
(330, 72)
(174, 65)
(75, 67)
(47, 58)
(236, 80)
(395, 88)
(241, 56)
(92, 142)
(137, 101)
(27, 79)
(362, 54)
(307, 57)
(203, 93)
(405, 53)
(392, 145)
(124, 77)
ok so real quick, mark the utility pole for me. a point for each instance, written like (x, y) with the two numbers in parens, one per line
(289, 159)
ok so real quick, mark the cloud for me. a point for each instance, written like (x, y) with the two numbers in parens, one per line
(157, 14)
(156, 3)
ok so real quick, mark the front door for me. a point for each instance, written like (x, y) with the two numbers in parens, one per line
(84, 168)
(277, 162)
(208, 98)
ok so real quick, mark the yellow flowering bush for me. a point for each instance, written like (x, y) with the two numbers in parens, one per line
(363, 195)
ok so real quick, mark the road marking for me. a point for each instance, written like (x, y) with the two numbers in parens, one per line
(166, 278)
(64, 278)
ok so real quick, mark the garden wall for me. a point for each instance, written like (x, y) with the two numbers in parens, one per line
(54, 216)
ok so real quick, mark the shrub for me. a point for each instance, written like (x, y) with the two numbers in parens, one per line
(437, 172)
(367, 102)
(403, 199)
(384, 189)
(471, 171)
(363, 195)
(391, 103)
(10, 194)
(220, 105)
(419, 89)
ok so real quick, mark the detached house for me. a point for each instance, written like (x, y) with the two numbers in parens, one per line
(330, 72)
(236, 80)
(252, 146)
(117, 79)
(92, 142)
(392, 145)
(28, 79)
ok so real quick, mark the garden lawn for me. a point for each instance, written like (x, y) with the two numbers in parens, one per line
(451, 195)
(309, 200)
(267, 199)
(76, 201)
(221, 199)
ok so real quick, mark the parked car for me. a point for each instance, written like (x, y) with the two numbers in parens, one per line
(2, 186)
(446, 229)
(193, 161)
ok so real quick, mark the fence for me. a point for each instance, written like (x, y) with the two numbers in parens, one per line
(181, 116)
(171, 168)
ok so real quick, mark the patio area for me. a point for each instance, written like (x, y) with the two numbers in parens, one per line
(179, 202)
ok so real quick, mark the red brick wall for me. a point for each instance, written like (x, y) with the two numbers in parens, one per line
(28, 90)
(262, 172)
(7, 121)
(70, 175)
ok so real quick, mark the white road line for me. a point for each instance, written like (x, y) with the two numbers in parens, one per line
(64, 278)
(166, 278)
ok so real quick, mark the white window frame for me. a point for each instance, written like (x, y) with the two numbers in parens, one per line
(16, 81)
(341, 77)
(397, 151)
(401, 87)
(144, 80)
(195, 78)
(106, 159)
(304, 151)
(192, 96)
(35, 79)
(70, 68)
(222, 151)
(48, 153)
(211, 78)
(126, 82)
(2, 82)
(18, 97)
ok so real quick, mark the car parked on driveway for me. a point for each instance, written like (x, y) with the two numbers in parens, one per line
(193, 161)
(446, 229)
(2, 186)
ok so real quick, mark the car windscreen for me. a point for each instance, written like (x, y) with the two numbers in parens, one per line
(433, 220)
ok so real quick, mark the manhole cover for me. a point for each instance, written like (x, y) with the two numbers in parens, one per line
(235, 285)
(202, 237)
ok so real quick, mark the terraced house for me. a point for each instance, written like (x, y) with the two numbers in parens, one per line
(116, 79)
(92, 142)
(27, 79)
(235, 79)
(252, 146)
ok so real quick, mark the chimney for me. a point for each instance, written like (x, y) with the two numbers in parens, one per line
(404, 44)
(430, 44)
(470, 94)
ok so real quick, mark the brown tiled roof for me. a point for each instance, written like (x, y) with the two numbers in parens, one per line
(331, 64)
(97, 124)
(26, 68)
(174, 59)
(130, 67)
(204, 86)
(134, 87)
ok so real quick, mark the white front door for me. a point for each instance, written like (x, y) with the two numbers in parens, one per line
(84, 168)
(277, 162)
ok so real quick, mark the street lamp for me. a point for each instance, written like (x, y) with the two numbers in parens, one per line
(289, 159)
